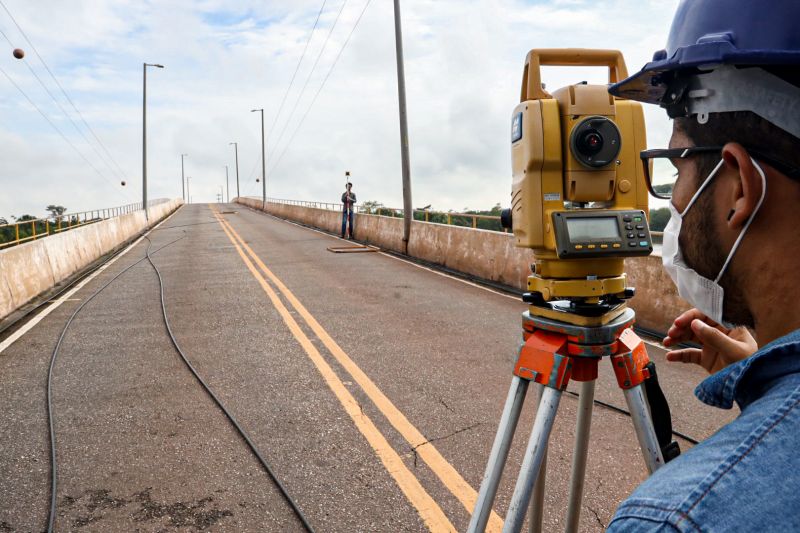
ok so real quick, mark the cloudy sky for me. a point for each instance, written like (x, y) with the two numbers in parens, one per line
(464, 63)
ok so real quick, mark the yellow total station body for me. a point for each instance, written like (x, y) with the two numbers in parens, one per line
(575, 157)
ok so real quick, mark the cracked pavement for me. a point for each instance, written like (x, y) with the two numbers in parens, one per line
(141, 447)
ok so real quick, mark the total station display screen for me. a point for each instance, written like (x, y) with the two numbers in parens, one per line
(593, 229)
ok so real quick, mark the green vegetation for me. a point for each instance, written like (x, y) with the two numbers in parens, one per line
(659, 218)
(9, 233)
(56, 210)
(377, 208)
(664, 189)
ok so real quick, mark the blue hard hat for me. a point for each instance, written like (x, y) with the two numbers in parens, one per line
(708, 33)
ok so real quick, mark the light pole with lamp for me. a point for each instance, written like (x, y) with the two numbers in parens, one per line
(227, 184)
(408, 212)
(183, 179)
(144, 134)
(263, 162)
(236, 151)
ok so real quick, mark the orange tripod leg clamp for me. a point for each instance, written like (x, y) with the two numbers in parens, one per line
(631, 361)
(544, 358)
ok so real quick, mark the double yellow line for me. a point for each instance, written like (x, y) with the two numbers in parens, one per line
(430, 512)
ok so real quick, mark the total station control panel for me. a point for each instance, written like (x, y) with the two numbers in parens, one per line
(599, 233)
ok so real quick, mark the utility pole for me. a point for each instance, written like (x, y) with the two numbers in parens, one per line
(263, 162)
(236, 151)
(144, 135)
(183, 179)
(227, 184)
(408, 212)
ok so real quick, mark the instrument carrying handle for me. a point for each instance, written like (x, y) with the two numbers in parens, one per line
(568, 57)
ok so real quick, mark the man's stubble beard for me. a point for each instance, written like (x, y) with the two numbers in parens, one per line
(702, 251)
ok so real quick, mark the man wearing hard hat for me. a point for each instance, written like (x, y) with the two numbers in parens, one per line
(730, 79)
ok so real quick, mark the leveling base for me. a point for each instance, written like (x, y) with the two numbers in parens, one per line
(555, 352)
(601, 316)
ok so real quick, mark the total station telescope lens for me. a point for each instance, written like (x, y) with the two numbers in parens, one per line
(592, 142)
(595, 142)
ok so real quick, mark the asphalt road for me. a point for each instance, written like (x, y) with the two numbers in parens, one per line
(372, 386)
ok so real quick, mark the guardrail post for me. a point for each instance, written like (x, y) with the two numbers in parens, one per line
(449, 220)
(474, 222)
(16, 228)
(33, 226)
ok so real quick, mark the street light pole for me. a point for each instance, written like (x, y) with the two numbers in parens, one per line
(408, 212)
(183, 179)
(144, 135)
(236, 151)
(263, 162)
(188, 194)
(227, 184)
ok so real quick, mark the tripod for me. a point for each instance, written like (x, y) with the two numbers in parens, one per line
(553, 353)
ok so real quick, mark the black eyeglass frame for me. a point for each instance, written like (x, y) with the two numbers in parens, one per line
(682, 153)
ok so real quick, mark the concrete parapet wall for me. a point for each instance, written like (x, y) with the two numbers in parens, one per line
(487, 255)
(29, 269)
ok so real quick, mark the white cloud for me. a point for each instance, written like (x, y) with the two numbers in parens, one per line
(463, 69)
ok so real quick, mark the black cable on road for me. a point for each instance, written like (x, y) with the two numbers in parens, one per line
(50, 422)
(622, 411)
(219, 403)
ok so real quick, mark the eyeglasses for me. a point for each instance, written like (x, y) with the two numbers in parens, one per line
(660, 175)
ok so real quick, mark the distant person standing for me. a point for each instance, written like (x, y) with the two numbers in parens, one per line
(348, 201)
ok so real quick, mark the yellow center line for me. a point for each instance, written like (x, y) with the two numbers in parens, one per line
(449, 476)
(430, 512)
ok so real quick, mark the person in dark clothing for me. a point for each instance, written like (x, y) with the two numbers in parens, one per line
(348, 202)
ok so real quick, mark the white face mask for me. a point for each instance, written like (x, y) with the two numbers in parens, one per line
(704, 294)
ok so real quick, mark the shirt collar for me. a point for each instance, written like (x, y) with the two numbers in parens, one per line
(744, 382)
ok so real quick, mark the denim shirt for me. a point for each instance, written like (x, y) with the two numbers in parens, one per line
(746, 477)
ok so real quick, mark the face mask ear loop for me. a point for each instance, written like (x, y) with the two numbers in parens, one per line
(703, 186)
(750, 220)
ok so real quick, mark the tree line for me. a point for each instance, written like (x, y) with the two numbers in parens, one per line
(658, 217)
(55, 213)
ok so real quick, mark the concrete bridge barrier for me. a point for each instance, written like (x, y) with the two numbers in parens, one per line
(488, 255)
(30, 269)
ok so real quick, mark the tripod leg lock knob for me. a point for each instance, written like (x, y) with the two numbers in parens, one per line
(630, 364)
(544, 358)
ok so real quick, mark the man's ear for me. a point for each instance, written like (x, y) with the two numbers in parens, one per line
(746, 190)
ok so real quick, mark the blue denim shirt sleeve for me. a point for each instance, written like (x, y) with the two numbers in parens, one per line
(639, 523)
(744, 478)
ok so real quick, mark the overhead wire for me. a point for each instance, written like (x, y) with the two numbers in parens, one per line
(333, 65)
(66, 139)
(297, 68)
(64, 111)
(63, 91)
(311, 72)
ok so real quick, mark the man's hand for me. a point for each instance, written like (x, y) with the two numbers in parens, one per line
(721, 346)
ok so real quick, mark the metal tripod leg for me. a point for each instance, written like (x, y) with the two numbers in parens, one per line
(498, 455)
(537, 502)
(532, 462)
(643, 425)
(585, 404)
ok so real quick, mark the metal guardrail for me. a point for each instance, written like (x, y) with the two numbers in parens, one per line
(425, 215)
(31, 230)
(422, 215)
